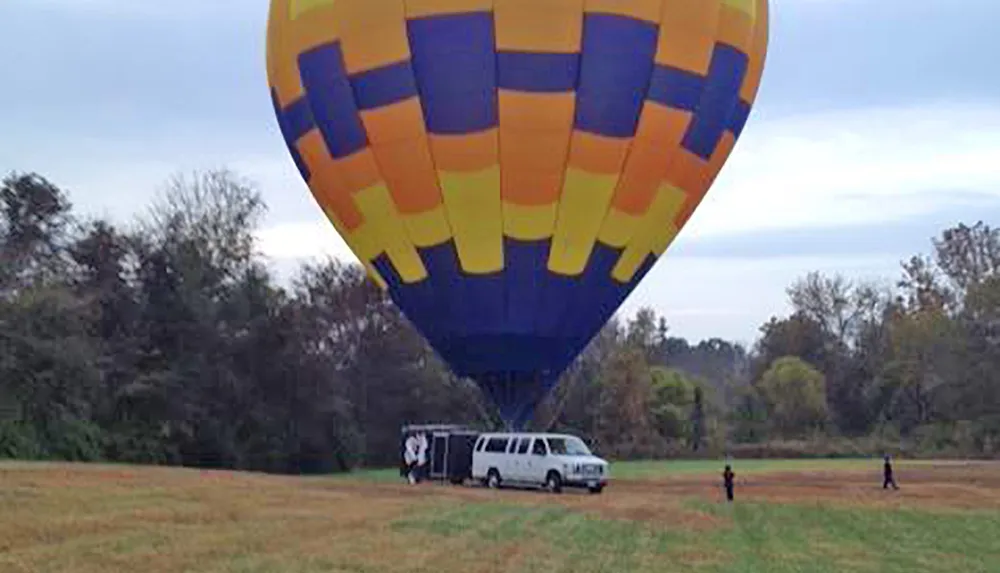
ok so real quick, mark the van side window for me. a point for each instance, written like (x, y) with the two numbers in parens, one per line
(480, 443)
(513, 446)
(522, 448)
(496, 445)
(539, 447)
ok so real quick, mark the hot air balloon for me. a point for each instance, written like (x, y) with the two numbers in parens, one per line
(509, 170)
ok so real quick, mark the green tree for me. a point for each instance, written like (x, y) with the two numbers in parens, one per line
(795, 395)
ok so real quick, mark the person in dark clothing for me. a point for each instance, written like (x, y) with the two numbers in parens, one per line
(887, 477)
(727, 479)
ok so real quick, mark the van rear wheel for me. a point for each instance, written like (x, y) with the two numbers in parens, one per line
(553, 482)
(493, 479)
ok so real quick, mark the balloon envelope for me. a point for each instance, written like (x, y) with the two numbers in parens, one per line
(511, 169)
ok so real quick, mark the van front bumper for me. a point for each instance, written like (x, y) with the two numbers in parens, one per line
(575, 481)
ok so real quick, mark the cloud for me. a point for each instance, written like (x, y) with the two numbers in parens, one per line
(852, 167)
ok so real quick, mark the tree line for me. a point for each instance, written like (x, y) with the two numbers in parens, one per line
(170, 341)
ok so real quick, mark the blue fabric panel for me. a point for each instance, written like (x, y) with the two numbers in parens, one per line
(454, 60)
(615, 71)
(722, 91)
(294, 121)
(676, 88)
(538, 72)
(514, 332)
(384, 86)
(332, 100)
(524, 274)
(739, 118)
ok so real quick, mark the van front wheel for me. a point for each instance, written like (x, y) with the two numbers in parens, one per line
(553, 482)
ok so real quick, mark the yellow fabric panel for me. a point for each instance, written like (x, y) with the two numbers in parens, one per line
(370, 13)
(584, 202)
(758, 53)
(397, 122)
(320, 26)
(374, 47)
(735, 29)
(382, 220)
(687, 34)
(554, 26)
(529, 222)
(474, 211)
(283, 73)
(424, 8)
(353, 241)
(373, 33)
(428, 228)
(648, 10)
(748, 7)
(618, 228)
(656, 228)
(297, 8)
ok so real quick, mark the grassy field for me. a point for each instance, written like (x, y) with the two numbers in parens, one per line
(789, 516)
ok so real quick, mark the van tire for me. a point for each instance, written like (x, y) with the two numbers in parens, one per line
(553, 482)
(493, 480)
(596, 489)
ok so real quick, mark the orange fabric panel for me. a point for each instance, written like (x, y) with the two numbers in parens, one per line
(662, 126)
(396, 122)
(536, 111)
(359, 171)
(532, 188)
(533, 151)
(598, 154)
(642, 176)
(705, 176)
(465, 153)
(687, 34)
(408, 170)
(326, 182)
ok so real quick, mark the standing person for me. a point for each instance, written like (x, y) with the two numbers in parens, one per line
(727, 480)
(410, 457)
(887, 477)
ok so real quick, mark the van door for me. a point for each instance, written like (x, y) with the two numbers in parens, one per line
(439, 456)
(535, 462)
(511, 463)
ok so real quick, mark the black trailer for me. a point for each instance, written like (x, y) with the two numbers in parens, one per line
(448, 455)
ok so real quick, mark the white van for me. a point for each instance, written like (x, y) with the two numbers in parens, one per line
(552, 461)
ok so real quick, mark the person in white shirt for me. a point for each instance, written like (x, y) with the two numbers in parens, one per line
(411, 456)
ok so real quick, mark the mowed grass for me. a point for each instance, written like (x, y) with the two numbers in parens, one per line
(664, 516)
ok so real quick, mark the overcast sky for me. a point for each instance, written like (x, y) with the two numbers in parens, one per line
(878, 124)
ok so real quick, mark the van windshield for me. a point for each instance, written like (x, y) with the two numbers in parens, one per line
(568, 447)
